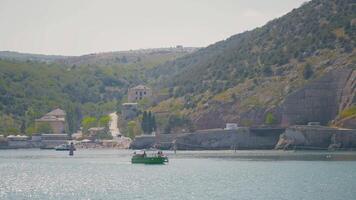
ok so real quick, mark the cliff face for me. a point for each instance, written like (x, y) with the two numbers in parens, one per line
(322, 99)
(316, 137)
(348, 93)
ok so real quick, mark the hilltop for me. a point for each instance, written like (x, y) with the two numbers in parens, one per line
(250, 78)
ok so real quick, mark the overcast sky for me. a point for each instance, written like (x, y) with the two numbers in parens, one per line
(75, 27)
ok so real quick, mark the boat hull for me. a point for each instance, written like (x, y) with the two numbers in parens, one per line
(149, 160)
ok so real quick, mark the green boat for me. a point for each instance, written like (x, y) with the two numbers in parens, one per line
(158, 158)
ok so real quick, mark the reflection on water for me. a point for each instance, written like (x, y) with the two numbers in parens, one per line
(108, 174)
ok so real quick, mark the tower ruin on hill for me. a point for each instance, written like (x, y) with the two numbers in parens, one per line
(138, 93)
(56, 119)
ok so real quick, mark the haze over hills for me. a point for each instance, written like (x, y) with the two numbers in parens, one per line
(266, 76)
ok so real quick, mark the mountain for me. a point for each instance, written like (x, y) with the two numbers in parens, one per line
(250, 78)
(91, 85)
(293, 70)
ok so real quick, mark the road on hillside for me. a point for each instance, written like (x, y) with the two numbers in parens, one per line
(114, 129)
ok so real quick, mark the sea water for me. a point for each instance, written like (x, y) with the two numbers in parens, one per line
(243, 175)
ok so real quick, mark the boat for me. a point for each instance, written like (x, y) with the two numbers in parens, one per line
(143, 158)
(63, 147)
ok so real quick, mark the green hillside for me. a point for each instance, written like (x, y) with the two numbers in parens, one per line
(246, 76)
(83, 86)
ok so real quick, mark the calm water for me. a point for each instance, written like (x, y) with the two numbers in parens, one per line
(108, 174)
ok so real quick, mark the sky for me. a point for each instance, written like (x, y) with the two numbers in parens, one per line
(76, 27)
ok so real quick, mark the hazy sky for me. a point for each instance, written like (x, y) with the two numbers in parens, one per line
(74, 27)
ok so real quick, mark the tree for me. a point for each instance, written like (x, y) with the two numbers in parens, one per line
(131, 126)
(270, 119)
(31, 130)
(88, 122)
(153, 123)
(148, 123)
(307, 71)
(144, 123)
(104, 120)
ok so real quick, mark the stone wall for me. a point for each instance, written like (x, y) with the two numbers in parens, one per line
(165, 141)
(242, 138)
(215, 139)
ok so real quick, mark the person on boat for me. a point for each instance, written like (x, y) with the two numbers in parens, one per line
(144, 154)
(71, 149)
(160, 154)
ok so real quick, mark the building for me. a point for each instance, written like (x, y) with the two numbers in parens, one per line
(231, 126)
(138, 93)
(56, 120)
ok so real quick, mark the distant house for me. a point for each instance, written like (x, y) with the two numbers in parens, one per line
(56, 119)
(138, 93)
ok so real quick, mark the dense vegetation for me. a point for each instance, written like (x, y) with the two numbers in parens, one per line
(248, 75)
(263, 52)
(241, 79)
(29, 89)
(148, 123)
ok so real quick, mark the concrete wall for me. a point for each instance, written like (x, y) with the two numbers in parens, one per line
(165, 141)
(316, 137)
(242, 138)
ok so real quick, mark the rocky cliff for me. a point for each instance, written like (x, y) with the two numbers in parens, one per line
(322, 99)
(316, 137)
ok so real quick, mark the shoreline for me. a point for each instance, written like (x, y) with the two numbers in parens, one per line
(242, 155)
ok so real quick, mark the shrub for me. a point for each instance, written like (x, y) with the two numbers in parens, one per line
(307, 71)
(270, 119)
(348, 112)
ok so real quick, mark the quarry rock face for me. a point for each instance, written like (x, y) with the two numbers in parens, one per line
(320, 100)
(349, 122)
(316, 137)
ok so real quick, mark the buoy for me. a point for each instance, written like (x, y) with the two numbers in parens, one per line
(71, 149)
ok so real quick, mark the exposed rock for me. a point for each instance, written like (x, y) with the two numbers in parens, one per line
(321, 99)
(349, 122)
(316, 137)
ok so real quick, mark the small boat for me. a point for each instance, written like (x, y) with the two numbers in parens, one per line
(63, 147)
(143, 158)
